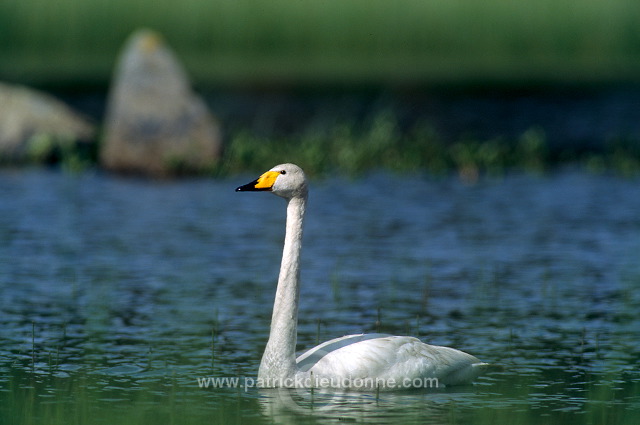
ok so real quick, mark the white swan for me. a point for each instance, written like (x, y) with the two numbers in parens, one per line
(357, 362)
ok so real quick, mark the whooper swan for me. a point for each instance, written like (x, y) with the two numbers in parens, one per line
(355, 362)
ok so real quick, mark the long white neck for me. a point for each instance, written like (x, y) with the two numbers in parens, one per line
(278, 360)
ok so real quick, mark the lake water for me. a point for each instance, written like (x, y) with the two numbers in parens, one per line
(117, 295)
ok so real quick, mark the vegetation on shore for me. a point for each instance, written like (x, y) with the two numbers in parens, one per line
(267, 42)
(379, 143)
(382, 145)
(407, 43)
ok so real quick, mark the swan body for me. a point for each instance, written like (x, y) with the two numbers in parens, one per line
(359, 362)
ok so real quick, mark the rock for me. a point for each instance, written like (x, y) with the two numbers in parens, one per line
(34, 124)
(155, 124)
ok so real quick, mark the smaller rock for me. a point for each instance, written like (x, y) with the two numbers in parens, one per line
(33, 124)
(155, 125)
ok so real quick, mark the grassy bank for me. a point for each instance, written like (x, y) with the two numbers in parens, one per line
(351, 148)
(337, 42)
(380, 144)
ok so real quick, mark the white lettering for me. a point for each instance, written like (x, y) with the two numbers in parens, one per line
(311, 381)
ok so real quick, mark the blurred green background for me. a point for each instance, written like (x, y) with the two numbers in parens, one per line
(336, 42)
(355, 84)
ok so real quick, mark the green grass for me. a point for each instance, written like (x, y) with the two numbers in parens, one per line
(276, 43)
(331, 41)
(331, 142)
(379, 143)
(352, 147)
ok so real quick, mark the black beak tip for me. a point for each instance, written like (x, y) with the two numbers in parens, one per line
(249, 187)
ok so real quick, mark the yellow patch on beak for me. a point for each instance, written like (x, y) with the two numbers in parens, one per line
(267, 180)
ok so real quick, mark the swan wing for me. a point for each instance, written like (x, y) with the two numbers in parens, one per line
(388, 357)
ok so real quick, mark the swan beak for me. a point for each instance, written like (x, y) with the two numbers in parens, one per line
(263, 183)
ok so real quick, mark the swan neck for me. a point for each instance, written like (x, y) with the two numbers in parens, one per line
(279, 359)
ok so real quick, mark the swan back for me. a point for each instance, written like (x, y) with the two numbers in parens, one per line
(400, 359)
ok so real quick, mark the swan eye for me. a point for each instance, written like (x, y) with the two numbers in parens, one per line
(283, 172)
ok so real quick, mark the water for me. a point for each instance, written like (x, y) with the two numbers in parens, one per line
(116, 295)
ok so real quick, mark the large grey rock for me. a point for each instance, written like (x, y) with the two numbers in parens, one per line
(155, 124)
(32, 124)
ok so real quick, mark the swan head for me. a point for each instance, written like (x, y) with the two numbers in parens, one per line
(285, 180)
